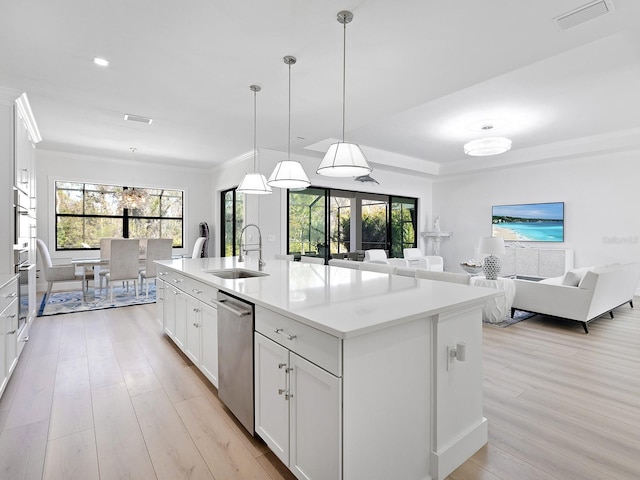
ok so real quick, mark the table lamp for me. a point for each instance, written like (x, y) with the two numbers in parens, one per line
(492, 246)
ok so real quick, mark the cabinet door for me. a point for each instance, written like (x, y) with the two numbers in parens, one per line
(11, 341)
(272, 399)
(193, 324)
(169, 310)
(209, 352)
(316, 421)
(180, 333)
(4, 375)
(160, 301)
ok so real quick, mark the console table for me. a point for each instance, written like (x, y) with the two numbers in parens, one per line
(436, 236)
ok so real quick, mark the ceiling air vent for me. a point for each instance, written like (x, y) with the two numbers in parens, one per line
(137, 118)
(583, 14)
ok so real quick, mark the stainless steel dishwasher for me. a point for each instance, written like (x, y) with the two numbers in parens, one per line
(235, 357)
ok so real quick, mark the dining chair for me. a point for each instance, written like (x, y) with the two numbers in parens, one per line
(307, 259)
(59, 273)
(124, 262)
(197, 248)
(157, 249)
(282, 256)
(105, 253)
(435, 263)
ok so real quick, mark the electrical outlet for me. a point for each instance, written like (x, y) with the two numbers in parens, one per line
(451, 356)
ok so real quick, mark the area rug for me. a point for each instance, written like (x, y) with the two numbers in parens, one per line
(71, 302)
(517, 317)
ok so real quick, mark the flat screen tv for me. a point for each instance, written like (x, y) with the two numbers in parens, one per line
(531, 222)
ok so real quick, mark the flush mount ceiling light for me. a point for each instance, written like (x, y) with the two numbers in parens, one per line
(289, 173)
(254, 183)
(483, 147)
(103, 62)
(138, 118)
(344, 159)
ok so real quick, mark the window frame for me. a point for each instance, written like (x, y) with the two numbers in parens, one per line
(125, 215)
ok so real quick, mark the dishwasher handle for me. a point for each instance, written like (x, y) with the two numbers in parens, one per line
(236, 311)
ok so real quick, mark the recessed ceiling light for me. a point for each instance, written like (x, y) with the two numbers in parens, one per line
(137, 118)
(103, 62)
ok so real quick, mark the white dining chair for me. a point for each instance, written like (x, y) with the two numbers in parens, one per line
(124, 262)
(105, 254)
(157, 249)
(58, 273)
(378, 267)
(316, 260)
(282, 256)
(451, 277)
(197, 247)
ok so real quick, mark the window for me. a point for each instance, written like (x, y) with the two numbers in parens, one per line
(87, 212)
(347, 221)
(232, 221)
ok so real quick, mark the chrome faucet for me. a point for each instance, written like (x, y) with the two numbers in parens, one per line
(244, 248)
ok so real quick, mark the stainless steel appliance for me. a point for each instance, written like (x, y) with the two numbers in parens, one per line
(21, 218)
(235, 357)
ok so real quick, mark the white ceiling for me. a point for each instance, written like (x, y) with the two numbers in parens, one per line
(422, 76)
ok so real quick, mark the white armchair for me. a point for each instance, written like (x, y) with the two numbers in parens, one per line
(416, 259)
(377, 255)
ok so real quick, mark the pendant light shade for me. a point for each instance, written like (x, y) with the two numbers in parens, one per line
(484, 147)
(254, 183)
(344, 159)
(289, 173)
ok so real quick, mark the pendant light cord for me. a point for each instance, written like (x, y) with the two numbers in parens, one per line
(255, 114)
(289, 130)
(344, 76)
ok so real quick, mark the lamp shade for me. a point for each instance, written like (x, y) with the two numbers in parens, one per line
(344, 160)
(289, 174)
(492, 245)
(483, 147)
(254, 184)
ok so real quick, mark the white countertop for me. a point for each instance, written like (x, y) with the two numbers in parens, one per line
(340, 301)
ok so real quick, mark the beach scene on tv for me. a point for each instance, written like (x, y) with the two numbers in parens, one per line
(535, 222)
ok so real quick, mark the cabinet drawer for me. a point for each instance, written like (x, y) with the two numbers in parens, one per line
(8, 293)
(318, 347)
(204, 293)
(172, 277)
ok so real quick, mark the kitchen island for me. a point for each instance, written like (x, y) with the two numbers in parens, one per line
(354, 371)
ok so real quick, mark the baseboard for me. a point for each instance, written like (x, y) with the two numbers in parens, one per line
(459, 451)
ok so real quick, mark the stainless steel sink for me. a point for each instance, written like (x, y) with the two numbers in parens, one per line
(235, 273)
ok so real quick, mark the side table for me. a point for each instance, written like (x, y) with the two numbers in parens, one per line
(496, 309)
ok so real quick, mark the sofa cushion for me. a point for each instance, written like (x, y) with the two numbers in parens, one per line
(588, 282)
(573, 277)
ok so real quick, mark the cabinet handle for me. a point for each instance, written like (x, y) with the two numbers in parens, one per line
(196, 291)
(280, 331)
(196, 310)
(288, 396)
(10, 316)
(282, 365)
(290, 369)
(162, 273)
(197, 325)
(11, 295)
(11, 332)
(178, 280)
(176, 292)
(281, 391)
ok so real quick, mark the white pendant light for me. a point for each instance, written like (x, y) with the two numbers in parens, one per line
(254, 183)
(344, 159)
(289, 173)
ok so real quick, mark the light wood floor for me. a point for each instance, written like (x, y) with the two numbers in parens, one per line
(105, 395)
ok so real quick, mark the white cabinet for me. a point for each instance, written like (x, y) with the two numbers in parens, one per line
(536, 262)
(298, 410)
(8, 330)
(209, 343)
(190, 318)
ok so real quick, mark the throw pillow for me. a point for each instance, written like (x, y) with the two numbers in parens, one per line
(572, 279)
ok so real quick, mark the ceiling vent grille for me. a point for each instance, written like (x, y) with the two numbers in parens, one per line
(137, 118)
(583, 14)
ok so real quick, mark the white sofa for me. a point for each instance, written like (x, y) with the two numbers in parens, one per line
(581, 294)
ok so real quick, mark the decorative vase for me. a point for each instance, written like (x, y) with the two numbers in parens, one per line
(491, 267)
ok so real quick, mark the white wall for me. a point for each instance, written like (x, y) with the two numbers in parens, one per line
(269, 211)
(601, 199)
(52, 166)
